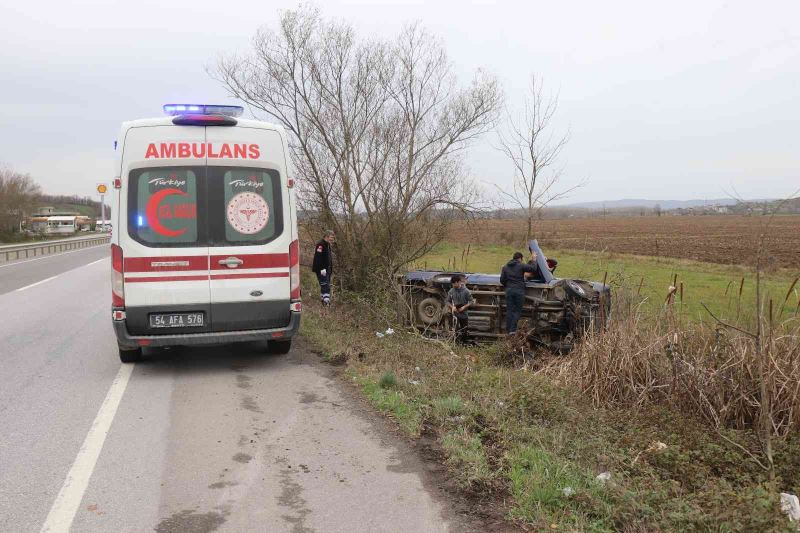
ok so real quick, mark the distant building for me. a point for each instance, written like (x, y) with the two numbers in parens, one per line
(49, 221)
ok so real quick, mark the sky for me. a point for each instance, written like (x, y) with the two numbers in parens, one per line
(662, 100)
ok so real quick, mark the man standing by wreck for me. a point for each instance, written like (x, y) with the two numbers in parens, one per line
(512, 278)
(323, 265)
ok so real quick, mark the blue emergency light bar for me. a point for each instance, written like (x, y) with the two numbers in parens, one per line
(203, 109)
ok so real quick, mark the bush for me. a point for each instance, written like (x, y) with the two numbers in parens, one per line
(388, 381)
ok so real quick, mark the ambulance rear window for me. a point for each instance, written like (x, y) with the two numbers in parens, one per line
(162, 206)
(249, 200)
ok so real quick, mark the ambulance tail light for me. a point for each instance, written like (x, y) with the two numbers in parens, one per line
(117, 277)
(294, 270)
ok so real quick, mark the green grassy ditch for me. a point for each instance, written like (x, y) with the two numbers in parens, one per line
(537, 447)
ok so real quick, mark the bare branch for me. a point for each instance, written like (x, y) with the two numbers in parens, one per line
(528, 142)
(377, 131)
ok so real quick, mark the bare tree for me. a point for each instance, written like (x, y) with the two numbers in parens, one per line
(377, 128)
(18, 195)
(528, 141)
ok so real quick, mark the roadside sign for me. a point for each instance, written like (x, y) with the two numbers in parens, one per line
(102, 189)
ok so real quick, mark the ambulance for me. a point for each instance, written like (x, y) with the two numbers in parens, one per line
(205, 244)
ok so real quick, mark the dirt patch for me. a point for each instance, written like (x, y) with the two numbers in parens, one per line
(291, 498)
(242, 458)
(250, 404)
(243, 381)
(222, 484)
(190, 520)
(308, 397)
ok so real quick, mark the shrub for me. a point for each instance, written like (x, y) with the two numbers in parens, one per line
(388, 380)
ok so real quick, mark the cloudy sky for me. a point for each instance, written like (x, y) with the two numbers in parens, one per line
(663, 100)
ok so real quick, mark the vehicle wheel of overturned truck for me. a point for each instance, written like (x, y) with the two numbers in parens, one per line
(429, 311)
(279, 347)
(130, 356)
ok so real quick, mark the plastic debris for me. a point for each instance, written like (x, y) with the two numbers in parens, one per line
(655, 447)
(568, 491)
(379, 334)
(790, 506)
(603, 478)
(414, 382)
(390, 331)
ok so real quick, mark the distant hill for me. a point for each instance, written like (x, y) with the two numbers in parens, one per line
(72, 204)
(87, 210)
(628, 203)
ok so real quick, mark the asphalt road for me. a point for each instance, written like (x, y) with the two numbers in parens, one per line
(224, 438)
(18, 274)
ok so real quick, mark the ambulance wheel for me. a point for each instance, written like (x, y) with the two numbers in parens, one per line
(279, 347)
(130, 356)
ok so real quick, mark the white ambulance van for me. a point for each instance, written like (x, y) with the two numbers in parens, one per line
(205, 246)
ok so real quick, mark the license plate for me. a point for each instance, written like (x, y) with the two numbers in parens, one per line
(176, 320)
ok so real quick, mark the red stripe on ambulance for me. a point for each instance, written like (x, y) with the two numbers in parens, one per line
(252, 275)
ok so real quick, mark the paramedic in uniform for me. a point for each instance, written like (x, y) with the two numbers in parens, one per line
(323, 265)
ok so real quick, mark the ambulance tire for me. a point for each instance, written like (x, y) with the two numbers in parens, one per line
(279, 347)
(130, 356)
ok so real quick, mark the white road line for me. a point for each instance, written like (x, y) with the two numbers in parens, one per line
(69, 497)
(49, 256)
(26, 287)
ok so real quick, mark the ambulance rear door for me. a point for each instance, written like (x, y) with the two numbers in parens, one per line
(164, 238)
(249, 229)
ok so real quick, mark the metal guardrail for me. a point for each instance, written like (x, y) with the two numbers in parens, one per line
(22, 251)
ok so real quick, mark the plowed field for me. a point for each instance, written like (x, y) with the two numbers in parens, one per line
(724, 239)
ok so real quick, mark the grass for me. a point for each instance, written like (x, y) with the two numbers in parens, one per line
(715, 285)
(466, 454)
(444, 408)
(395, 403)
(521, 438)
(555, 490)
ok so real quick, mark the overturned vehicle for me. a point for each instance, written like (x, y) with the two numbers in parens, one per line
(555, 314)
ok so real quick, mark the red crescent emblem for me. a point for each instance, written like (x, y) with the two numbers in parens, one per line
(152, 212)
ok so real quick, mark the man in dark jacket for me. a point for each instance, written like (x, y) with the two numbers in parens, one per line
(512, 278)
(323, 265)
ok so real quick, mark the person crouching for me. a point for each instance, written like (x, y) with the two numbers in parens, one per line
(460, 299)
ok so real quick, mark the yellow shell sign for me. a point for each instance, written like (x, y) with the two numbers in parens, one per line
(101, 188)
